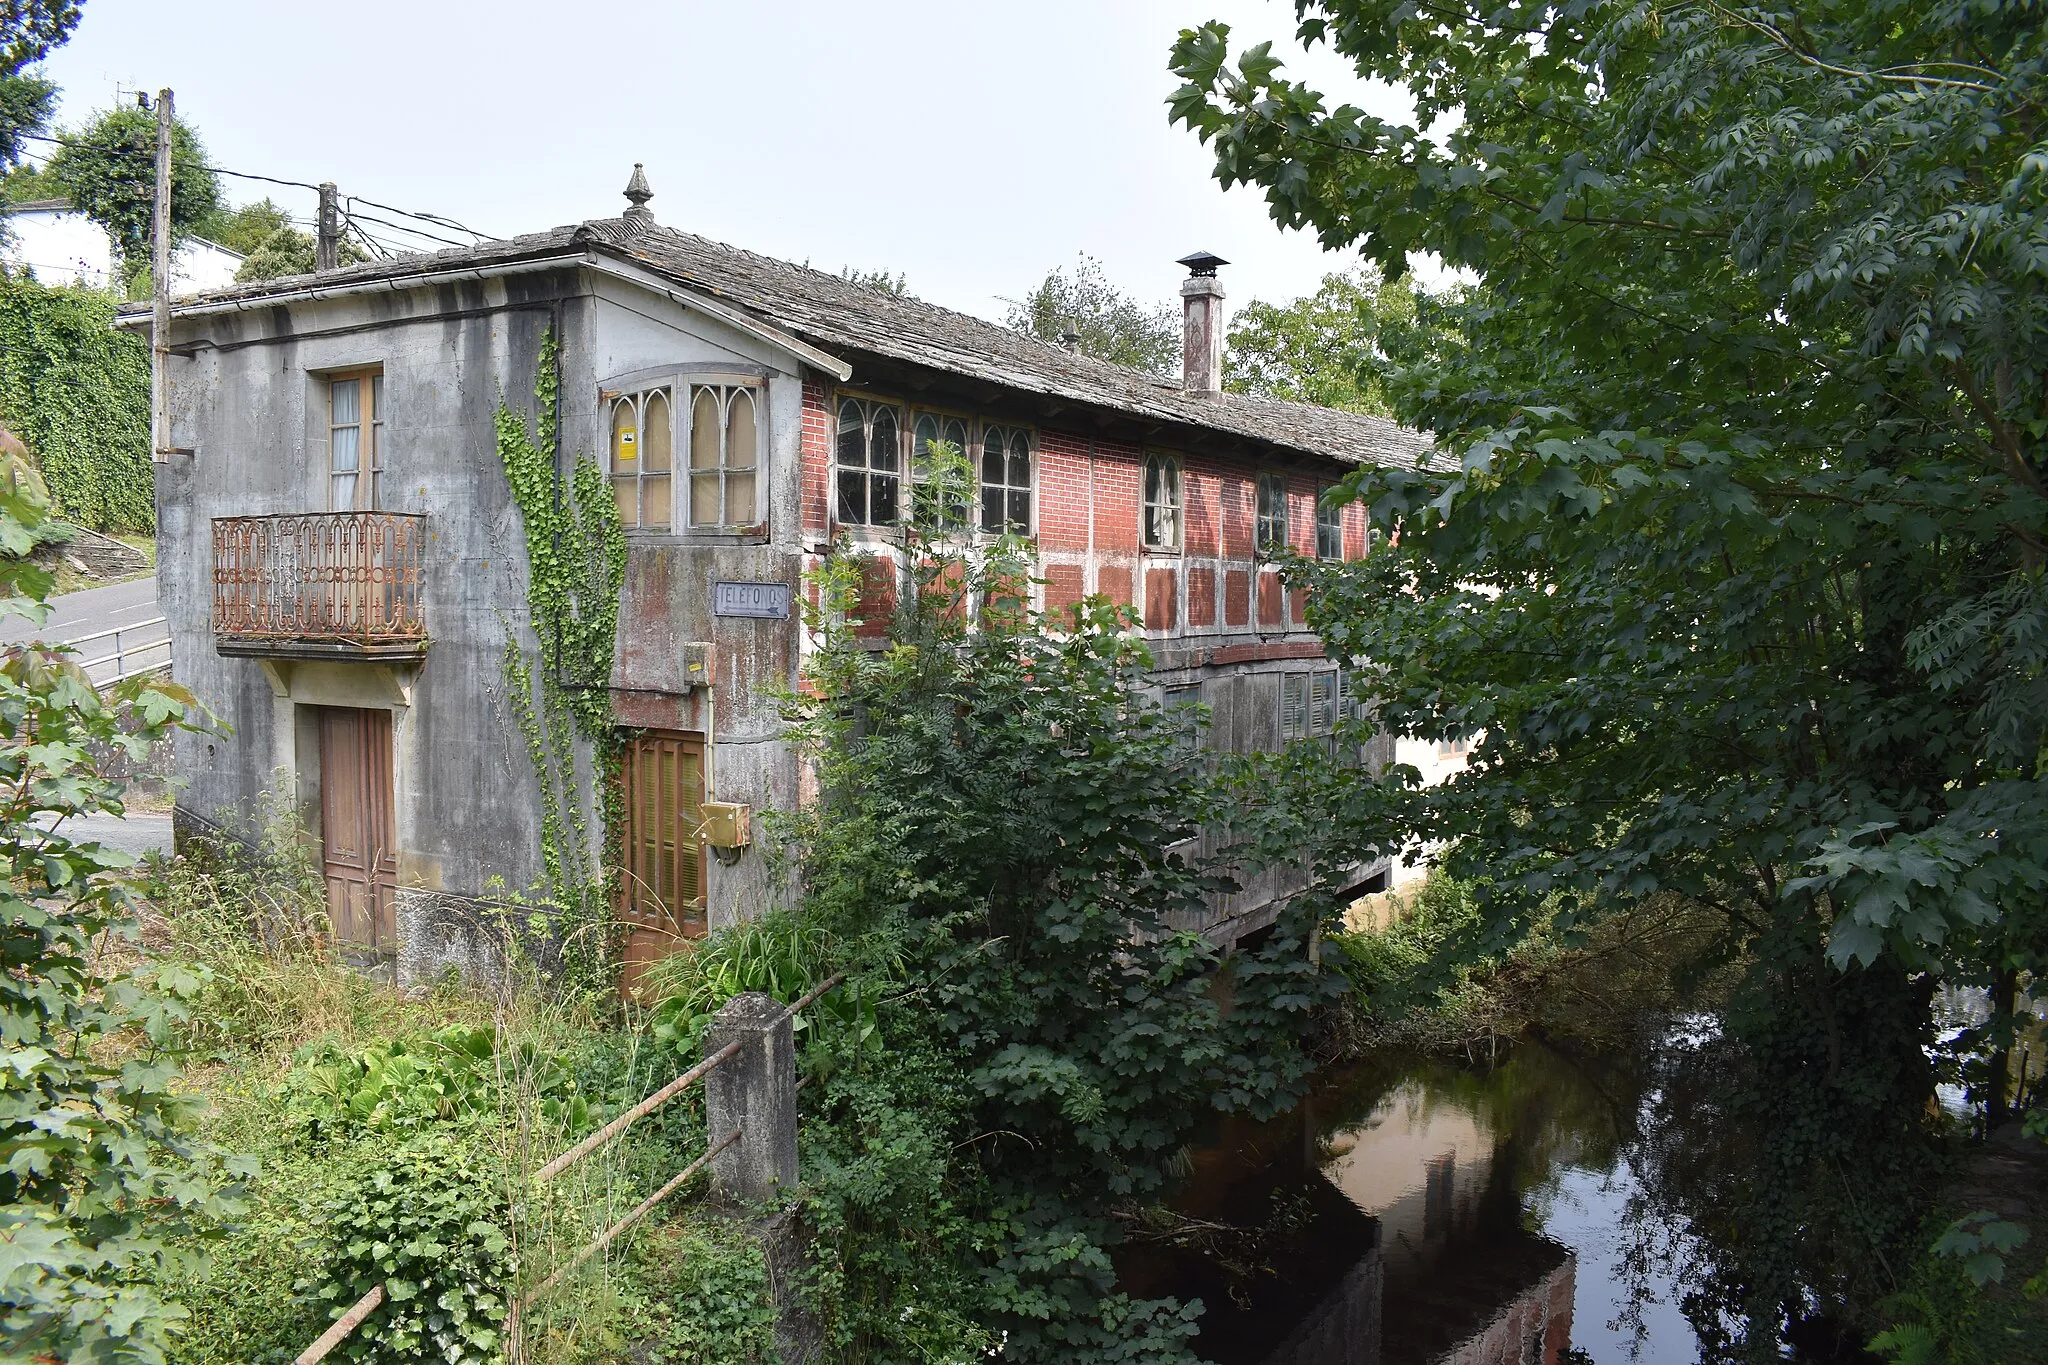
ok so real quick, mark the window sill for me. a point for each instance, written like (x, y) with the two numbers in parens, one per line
(751, 535)
(1162, 551)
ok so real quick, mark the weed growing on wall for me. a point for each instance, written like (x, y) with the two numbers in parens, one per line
(576, 561)
(77, 392)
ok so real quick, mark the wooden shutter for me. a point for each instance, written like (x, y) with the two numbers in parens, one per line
(1293, 705)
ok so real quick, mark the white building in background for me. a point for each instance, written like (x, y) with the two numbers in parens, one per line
(62, 246)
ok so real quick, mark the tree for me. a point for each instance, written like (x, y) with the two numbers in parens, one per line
(1332, 347)
(102, 1174)
(999, 802)
(28, 30)
(1735, 557)
(1110, 324)
(244, 229)
(108, 170)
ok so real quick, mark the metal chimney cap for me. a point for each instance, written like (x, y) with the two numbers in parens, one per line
(1202, 264)
(637, 194)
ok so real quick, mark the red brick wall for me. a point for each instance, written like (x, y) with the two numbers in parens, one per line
(1063, 475)
(1118, 470)
(1240, 515)
(1202, 487)
(815, 477)
(1270, 608)
(1063, 586)
(1237, 597)
(1114, 582)
(877, 597)
(1162, 597)
(1201, 595)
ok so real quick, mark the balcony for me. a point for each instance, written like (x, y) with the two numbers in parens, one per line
(320, 585)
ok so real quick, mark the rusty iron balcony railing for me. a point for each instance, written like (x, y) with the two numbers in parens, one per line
(320, 584)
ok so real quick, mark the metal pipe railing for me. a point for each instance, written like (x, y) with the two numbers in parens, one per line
(121, 654)
(369, 1302)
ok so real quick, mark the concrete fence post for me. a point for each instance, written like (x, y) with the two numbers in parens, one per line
(754, 1092)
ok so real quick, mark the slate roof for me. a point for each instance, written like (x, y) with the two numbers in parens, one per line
(835, 315)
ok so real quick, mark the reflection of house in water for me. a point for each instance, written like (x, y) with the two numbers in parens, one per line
(1465, 1284)
(1397, 1240)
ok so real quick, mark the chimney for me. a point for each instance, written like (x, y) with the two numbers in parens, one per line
(1202, 340)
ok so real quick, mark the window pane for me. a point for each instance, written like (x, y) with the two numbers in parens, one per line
(955, 432)
(704, 430)
(344, 492)
(1020, 509)
(740, 443)
(921, 437)
(1020, 461)
(627, 490)
(376, 397)
(991, 509)
(657, 434)
(704, 509)
(884, 449)
(852, 435)
(654, 500)
(992, 456)
(739, 498)
(625, 438)
(882, 498)
(345, 397)
(1152, 480)
(345, 450)
(853, 497)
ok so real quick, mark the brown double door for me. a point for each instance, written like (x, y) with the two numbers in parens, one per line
(661, 865)
(358, 855)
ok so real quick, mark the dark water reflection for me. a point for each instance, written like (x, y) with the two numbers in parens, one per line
(1411, 1211)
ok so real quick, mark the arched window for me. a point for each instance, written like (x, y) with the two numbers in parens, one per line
(1162, 502)
(1272, 537)
(929, 429)
(1006, 480)
(724, 456)
(869, 457)
(642, 457)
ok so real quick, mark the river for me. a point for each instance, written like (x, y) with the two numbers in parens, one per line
(1411, 1212)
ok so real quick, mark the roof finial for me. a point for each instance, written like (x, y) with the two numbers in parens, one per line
(638, 193)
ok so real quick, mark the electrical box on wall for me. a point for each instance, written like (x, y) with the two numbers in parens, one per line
(697, 663)
(728, 824)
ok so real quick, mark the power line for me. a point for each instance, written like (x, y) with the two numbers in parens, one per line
(434, 218)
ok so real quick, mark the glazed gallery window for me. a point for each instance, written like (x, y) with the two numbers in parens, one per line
(869, 459)
(643, 457)
(1272, 537)
(1329, 528)
(724, 456)
(1162, 503)
(1005, 480)
(355, 440)
(930, 429)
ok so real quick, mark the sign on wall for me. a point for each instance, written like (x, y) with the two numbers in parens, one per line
(765, 601)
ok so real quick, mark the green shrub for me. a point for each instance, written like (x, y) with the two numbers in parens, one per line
(450, 1074)
(711, 1303)
(428, 1224)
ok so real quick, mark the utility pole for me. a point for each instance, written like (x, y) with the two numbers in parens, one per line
(327, 246)
(160, 290)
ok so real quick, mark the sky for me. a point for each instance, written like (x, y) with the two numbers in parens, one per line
(971, 146)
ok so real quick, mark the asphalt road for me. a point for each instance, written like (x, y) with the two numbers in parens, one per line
(136, 833)
(75, 616)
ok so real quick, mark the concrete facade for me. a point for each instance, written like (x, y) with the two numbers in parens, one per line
(452, 342)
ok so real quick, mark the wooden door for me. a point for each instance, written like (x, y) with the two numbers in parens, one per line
(358, 855)
(661, 865)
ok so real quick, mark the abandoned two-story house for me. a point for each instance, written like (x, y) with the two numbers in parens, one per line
(343, 563)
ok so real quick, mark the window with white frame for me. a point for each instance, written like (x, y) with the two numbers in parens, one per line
(930, 429)
(355, 440)
(643, 457)
(868, 462)
(1272, 531)
(1162, 503)
(1005, 480)
(725, 455)
(1329, 527)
